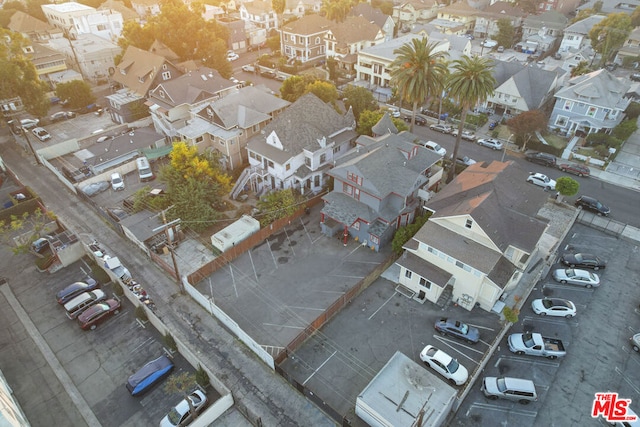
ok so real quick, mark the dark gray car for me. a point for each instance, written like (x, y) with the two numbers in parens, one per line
(457, 329)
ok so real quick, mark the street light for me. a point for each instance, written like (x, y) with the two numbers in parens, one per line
(504, 151)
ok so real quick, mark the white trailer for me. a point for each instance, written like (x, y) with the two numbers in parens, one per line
(235, 233)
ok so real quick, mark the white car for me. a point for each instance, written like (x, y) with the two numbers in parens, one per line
(489, 43)
(248, 68)
(575, 276)
(117, 183)
(635, 342)
(444, 364)
(492, 143)
(434, 146)
(29, 123)
(232, 56)
(179, 414)
(469, 136)
(542, 180)
(557, 307)
(41, 134)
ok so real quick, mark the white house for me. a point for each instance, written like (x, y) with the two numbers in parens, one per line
(75, 18)
(576, 36)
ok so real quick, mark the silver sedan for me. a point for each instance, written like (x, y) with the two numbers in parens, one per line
(575, 276)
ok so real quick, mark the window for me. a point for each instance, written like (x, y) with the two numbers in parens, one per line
(459, 264)
(591, 111)
(433, 250)
(562, 121)
(323, 158)
(347, 189)
(425, 283)
(469, 223)
(287, 166)
(222, 142)
(317, 40)
(166, 75)
(374, 239)
(407, 274)
(568, 105)
(307, 161)
(336, 149)
(199, 139)
(356, 225)
(270, 164)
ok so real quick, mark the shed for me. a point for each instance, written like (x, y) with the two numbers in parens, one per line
(402, 394)
(235, 233)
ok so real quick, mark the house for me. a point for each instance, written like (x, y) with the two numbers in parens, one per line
(236, 28)
(459, 46)
(457, 18)
(259, 13)
(607, 7)
(171, 102)
(407, 13)
(304, 38)
(565, 7)
(345, 39)
(593, 102)
(576, 35)
(33, 28)
(375, 16)
(75, 18)
(573, 57)
(299, 8)
(486, 25)
(541, 31)
(379, 187)
(140, 70)
(127, 13)
(212, 13)
(225, 124)
(630, 51)
(481, 237)
(46, 60)
(522, 88)
(146, 8)
(373, 62)
(92, 54)
(299, 146)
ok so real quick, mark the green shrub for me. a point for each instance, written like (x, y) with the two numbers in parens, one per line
(510, 314)
(202, 377)
(405, 233)
(117, 289)
(141, 313)
(624, 130)
(169, 342)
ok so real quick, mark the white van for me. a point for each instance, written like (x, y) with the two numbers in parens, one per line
(144, 169)
(518, 389)
(83, 301)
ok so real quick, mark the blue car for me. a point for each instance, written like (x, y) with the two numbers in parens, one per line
(457, 329)
(148, 375)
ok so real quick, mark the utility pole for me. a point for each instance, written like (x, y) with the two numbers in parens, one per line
(25, 132)
(166, 226)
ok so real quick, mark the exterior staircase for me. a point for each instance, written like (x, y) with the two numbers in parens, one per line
(445, 296)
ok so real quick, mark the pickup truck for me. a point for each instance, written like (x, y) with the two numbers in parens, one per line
(536, 345)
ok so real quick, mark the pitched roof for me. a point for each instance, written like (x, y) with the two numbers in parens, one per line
(549, 19)
(308, 24)
(385, 50)
(459, 8)
(140, 69)
(385, 125)
(599, 88)
(191, 88)
(498, 198)
(584, 26)
(419, 4)
(21, 22)
(503, 9)
(258, 7)
(163, 50)
(369, 12)
(118, 6)
(533, 83)
(354, 29)
(302, 126)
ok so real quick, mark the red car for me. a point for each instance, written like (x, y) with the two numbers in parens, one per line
(579, 170)
(96, 314)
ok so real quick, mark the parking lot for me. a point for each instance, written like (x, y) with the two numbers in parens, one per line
(599, 357)
(97, 362)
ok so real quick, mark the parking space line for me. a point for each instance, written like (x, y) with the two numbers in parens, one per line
(545, 319)
(319, 367)
(320, 237)
(567, 287)
(627, 380)
(481, 327)
(447, 341)
(348, 277)
(253, 266)
(280, 325)
(289, 240)
(271, 252)
(305, 308)
(143, 344)
(527, 360)
(501, 409)
(305, 230)
(383, 304)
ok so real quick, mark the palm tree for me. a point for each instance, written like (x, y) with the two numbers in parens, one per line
(470, 83)
(418, 72)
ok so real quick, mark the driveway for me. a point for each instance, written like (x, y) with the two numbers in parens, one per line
(627, 162)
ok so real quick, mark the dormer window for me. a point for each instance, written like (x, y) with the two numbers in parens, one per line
(469, 223)
(166, 75)
(164, 66)
(161, 93)
(28, 49)
(210, 112)
(141, 79)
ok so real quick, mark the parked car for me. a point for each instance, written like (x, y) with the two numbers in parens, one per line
(493, 125)
(98, 313)
(40, 245)
(489, 43)
(232, 56)
(457, 329)
(575, 169)
(179, 415)
(441, 128)
(544, 159)
(270, 74)
(635, 342)
(556, 307)
(434, 146)
(41, 134)
(117, 213)
(500, 49)
(465, 160)
(444, 364)
(75, 289)
(83, 301)
(574, 276)
(62, 115)
(117, 183)
(591, 204)
(149, 375)
(467, 135)
(635, 77)
(248, 68)
(420, 121)
(29, 123)
(281, 77)
(95, 188)
(542, 180)
(582, 260)
(518, 389)
(492, 143)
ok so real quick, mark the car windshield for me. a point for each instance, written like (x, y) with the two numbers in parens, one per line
(570, 272)
(578, 257)
(464, 328)
(453, 366)
(501, 385)
(117, 180)
(547, 303)
(174, 417)
(592, 276)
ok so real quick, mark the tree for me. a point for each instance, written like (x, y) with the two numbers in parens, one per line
(18, 76)
(608, 35)
(418, 72)
(526, 124)
(77, 92)
(182, 383)
(278, 6)
(405, 233)
(279, 204)
(506, 33)
(385, 6)
(583, 14)
(470, 83)
(625, 129)
(336, 10)
(31, 223)
(635, 17)
(359, 99)
(324, 90)
(580, 69)
(633, 110)
(368, 119)
(566, 186)
(296, 86)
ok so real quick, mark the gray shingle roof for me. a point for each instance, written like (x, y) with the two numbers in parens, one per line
(599, 88)
(191, 88)
(436, 275)
(384, 126)
(532, 83)
(584, 26)
(372, 14)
